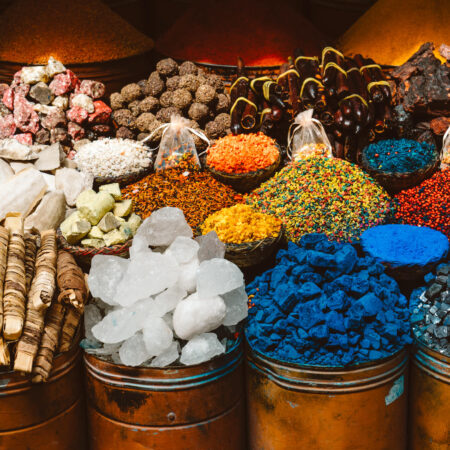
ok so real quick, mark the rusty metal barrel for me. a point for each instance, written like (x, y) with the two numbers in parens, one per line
(47, 416)
(429, 408)
(308, 407)
(198, 407)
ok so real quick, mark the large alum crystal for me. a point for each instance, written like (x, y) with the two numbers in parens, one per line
(201, 348)
(183, 249)
(210, 246)
(157, 336)
(133, 351)
(237, 307)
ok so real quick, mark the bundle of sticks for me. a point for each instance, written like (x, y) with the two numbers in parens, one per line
(42, 296)
(350, 96)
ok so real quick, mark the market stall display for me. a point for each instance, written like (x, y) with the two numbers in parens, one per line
(156, 300)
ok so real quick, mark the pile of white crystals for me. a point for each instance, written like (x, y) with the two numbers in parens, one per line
(163, 305)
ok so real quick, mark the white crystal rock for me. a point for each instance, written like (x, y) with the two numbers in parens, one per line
(194, 316)
(72, 183)
(139, 245)
(168, 356)
(210, 247)
(116, 358)
(164, 225)
(105, 275)
(106, 350)
(117, 326)
(183, 249)
(237, 307)
(54, 67)
(168, 318)
(217, 277)
(187, 278)
(201, 348)
(168, 300)
(33, 74)
(83, 101)
(92, 316)
(133, 351)
(157, 336)
(148, 274)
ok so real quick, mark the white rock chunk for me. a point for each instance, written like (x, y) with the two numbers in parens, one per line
(49, 158)
(183, 249)
(168, 356)
(49, 214)
(194, 316)
(13, 150)
(72, 183)
(92, 316)
(168, 300)
(34, 74)
(6, 171)
(106, 350)
(138, 246)
(187, 278)
(54, 67)
(237, 307)
(83, 101)
(218, 276)
(133, 351)
(201, 348)
(210, 247)
(157, 336)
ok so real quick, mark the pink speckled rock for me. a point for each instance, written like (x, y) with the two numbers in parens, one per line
(7, 126)
(25, 116)
(101, 114)
(77, 114)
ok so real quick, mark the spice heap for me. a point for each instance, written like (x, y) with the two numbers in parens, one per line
(261, 34)
(243, 153)
(154, 302)
(186, 187)
(49, 104)
(323, 305)
(172, 89)
(79, 32)
(112, 157)
(422, 96)
(323, 195)
(240, 224)
(430, 308)
(391, 31)
(405, 245)
(102, 219)
(45, 324)
(402, 155)
(427, 204)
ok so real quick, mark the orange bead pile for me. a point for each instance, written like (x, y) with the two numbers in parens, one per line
(427, 204)
(243, 153)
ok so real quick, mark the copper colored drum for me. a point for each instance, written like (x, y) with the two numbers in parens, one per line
(363, 407)
(48, 416)
(429, 409)
(199, 407)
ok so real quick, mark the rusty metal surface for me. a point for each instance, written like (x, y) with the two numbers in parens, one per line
(48, 416)
(298, 407)
(429, 409)
(198, 407)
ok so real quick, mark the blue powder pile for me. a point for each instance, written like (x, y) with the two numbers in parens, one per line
(399, 155)
(405, 245)
(323, 305)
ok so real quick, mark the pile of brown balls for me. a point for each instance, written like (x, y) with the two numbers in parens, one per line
(140, 108)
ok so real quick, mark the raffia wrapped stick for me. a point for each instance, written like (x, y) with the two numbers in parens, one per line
(14, 296)
(49, 343)
(4, 353)
(30, 258)
(4, 239)
(39, 299)
(73, 293)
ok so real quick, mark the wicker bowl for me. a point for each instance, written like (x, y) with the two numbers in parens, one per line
(123, 180)
(395, 182)
(245, 182)
(84, 255)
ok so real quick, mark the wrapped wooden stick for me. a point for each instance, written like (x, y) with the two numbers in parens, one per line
(30, 258)
(49, 342)
(15, 280)
(73, 294)
(39, 299)
(4, 239)
(4, 353)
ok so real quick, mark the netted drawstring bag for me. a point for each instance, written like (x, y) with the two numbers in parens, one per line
(176, 143)
(445, 161)
(307, 137)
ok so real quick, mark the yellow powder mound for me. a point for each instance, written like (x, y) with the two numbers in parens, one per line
(74, 32)
(392, 30)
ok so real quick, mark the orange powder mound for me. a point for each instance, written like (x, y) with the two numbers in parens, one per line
(392, 30)
(263, 33)
(242, 153)
(74, 32)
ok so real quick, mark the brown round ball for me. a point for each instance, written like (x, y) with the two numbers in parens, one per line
(205, 94)
(144, 120)
(166, 99)
(131, 92)
(173, 83)
(223, 103)
(224, 120)
(155, 86)
(181, 99)
(124, 118)
(164, 115)
(149, 104)
(198, 112)
(213, 130)
(167, 67)
(156, 138)
(124, 133)
(189, 82)
(142, 84)
(116, 101)
(188, 68)
(134, 107)
(216, 82)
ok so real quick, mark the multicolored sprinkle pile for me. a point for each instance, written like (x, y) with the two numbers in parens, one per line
(323, 195)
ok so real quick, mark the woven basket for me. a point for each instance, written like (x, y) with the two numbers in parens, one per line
(245, 182)
(395, 182)
(123, 180)
(84, 255)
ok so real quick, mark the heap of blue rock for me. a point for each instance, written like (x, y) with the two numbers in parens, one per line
(324, 305)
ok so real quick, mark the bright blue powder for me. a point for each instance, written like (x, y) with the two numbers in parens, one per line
(323, 305)
(405, 245)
